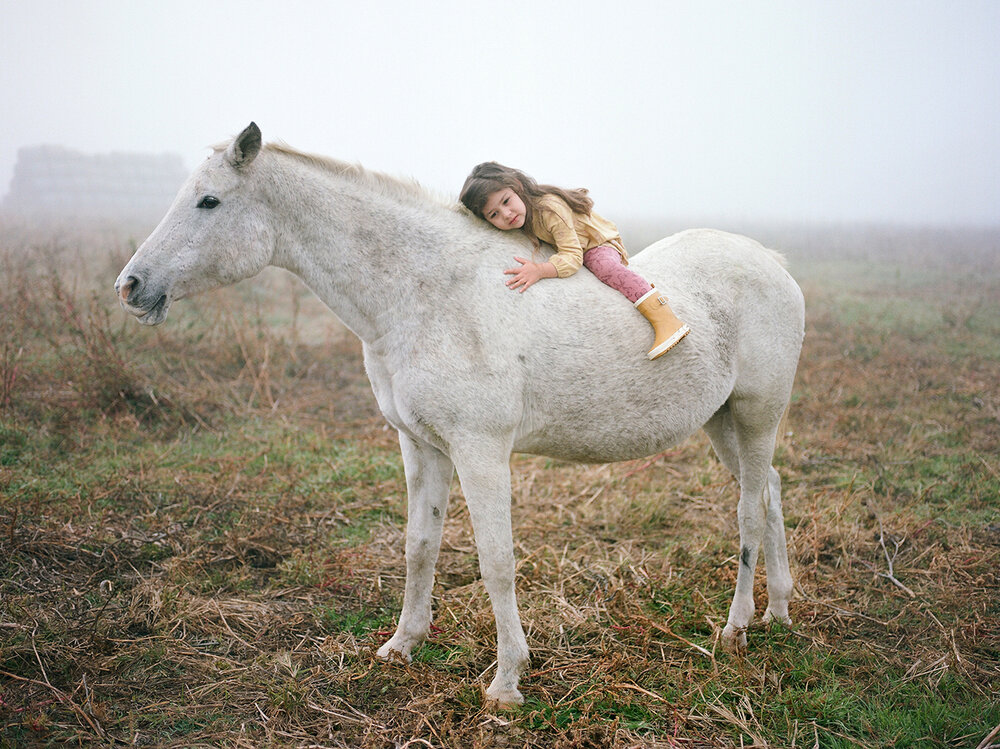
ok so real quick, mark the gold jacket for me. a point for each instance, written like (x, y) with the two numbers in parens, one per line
(572, 234)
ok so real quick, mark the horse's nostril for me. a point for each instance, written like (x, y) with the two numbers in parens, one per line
(131, 284)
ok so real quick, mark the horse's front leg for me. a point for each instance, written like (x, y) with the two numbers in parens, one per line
(485, 477)
(428, 480)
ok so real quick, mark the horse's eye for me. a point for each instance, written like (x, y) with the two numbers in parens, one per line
(209, 202)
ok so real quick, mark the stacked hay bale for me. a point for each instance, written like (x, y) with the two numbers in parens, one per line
(53, 181)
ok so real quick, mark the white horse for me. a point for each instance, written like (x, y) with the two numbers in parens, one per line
(468, 371)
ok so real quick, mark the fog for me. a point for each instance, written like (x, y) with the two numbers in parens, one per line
(683, 111)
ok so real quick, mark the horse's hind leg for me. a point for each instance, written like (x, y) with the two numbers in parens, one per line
(743, 437)
(779, 576)
(428, 480)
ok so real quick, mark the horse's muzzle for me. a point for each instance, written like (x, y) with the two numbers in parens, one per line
(148, 305)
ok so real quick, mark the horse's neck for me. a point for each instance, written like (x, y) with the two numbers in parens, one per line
(363, 252)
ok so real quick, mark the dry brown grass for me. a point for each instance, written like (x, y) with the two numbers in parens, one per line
(201, 528)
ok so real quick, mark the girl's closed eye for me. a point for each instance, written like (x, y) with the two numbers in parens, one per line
(493, 214)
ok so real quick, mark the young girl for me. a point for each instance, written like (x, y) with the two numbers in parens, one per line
(509, 199)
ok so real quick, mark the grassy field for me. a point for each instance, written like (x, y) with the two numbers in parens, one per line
(201, 530)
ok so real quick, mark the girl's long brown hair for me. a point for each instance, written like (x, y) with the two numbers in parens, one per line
(488, 177)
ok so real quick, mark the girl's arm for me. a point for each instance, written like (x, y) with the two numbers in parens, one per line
(556, 218)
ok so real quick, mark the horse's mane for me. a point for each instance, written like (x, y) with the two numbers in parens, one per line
(408, 190)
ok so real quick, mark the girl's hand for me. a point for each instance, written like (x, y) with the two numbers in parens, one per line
(529, 273)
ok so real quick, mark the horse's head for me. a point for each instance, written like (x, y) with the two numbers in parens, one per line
(215, 233)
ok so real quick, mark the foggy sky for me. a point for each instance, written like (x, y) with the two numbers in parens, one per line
(797, 110)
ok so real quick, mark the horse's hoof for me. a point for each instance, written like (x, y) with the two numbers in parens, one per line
(734, 639)
(391, 652)
(503, 699)
(771, 618)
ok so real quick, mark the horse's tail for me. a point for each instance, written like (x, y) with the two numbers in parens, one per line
(778, 257)
(782, 439)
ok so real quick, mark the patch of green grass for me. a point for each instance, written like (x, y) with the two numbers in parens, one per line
(542, 715)
(889, 714)
(953, 487)
(12, 444)
(604, 707)
(170, 727)
(225, 578)
(282, 460)
(287, 696)
(362, 623)
(847, 696)
(301, 568)
(358, 528)
(442, 653)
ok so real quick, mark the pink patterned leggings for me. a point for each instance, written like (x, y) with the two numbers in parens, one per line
(606, 263)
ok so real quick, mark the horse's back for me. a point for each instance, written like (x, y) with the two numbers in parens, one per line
(717, 260)
(739, 287)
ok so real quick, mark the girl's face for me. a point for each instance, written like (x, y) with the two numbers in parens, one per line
(504, 209)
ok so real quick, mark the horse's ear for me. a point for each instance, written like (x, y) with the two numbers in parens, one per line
(244, 147)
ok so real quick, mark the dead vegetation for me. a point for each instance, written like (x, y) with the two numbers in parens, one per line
(201, 532)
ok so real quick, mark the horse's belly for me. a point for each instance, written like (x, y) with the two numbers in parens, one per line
(599, 437)
(585, 451)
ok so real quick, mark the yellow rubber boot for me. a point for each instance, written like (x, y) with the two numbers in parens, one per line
(667, 329)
